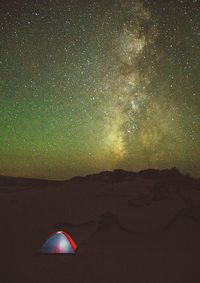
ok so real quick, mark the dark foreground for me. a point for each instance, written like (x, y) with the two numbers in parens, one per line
(130, 227)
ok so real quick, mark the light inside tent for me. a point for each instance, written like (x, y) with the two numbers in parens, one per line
(59, 243)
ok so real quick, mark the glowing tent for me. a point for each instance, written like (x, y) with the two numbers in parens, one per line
(59, 243)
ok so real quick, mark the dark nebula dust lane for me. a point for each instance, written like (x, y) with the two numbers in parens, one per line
(87, 86)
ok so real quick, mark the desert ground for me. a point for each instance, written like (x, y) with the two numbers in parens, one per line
(139, 227)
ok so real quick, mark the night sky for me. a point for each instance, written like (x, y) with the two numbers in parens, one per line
(88, 86)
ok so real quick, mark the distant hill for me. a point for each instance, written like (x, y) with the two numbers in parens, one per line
(117, 175)
(120, 175)
(12, 184)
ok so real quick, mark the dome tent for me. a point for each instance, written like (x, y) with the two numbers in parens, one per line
(59, 243)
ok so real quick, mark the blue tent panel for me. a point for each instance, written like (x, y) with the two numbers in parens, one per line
(58, 243)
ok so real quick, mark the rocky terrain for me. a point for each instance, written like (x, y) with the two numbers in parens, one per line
(132, 227)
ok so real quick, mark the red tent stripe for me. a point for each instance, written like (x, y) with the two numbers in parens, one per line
(73, 244)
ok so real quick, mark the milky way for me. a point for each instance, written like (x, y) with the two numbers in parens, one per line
(96, 85)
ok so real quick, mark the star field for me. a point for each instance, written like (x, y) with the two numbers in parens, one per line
(87, 86)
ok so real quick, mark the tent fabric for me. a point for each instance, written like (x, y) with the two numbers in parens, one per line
(59, 243)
